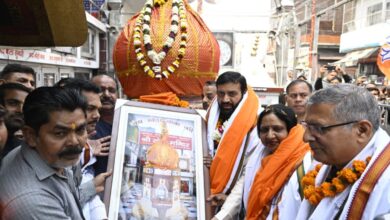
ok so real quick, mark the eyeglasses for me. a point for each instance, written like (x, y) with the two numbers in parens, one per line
(317, 129)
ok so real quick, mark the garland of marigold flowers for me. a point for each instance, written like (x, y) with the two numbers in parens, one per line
(143, 24)
(159, 2)
(218, 132)
(344, 178)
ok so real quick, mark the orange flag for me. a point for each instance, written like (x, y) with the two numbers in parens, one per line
(383, 60)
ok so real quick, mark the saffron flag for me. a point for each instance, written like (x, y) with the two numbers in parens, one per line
(383, 60)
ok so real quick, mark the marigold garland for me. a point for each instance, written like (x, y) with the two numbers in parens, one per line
(344, 178)
(159, 2)
(218, 132)
(142, 25)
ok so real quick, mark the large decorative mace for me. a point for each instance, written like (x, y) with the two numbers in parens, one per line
(166, 47)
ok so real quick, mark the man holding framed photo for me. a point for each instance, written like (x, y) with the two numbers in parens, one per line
(231, 133)
(36, 181)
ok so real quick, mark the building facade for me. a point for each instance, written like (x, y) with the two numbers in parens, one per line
(304, 35)
(366, 25)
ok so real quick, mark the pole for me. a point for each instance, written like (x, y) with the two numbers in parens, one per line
(314, 55)
(297, 45)
(325, 10)
(312, 26)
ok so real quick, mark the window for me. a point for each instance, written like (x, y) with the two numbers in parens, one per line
(48, 79)
(64, 75)
(374, 14)
(88, 49)
(349, 17)
(387, 17)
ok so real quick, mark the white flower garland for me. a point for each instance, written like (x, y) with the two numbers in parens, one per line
(143, 24)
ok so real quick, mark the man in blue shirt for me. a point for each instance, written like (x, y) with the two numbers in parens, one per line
(108, 98)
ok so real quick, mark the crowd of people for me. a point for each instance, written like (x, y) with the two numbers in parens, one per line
(322, 154)
(54, 143)
(333, 75)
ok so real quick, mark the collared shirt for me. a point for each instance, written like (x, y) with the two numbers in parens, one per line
(31, 189)
(12, 143)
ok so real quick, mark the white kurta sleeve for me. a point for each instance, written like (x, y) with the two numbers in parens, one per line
(232, 205)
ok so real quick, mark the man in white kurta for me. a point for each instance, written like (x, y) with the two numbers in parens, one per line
(379, 200)
(231, 130)
(342, 126)
(231, 134)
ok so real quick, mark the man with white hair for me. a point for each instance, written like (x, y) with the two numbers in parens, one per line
(352, 179)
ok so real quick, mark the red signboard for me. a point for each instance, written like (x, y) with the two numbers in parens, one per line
(177, 142)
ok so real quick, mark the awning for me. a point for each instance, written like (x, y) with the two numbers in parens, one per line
(352, 58)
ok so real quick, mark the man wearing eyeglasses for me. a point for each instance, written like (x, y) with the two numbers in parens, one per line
(298, 92)
(342, 128)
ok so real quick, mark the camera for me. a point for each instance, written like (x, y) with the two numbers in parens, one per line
(330, 67)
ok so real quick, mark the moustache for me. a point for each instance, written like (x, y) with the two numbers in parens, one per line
(93, 122)
(16, 115)
(71, 151)
(107, 99)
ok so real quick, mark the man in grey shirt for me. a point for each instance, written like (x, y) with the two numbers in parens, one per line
(36, 181)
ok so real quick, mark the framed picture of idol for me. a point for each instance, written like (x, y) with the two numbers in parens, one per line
(156, 156)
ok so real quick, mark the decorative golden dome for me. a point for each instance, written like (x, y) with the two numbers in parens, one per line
(161, 154)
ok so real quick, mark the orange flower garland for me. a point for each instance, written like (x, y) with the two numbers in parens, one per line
(220, 128)
(345, 177)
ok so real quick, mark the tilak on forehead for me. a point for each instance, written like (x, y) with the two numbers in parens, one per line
(73, 126)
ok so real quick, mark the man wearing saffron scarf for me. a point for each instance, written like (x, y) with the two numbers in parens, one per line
(231, 132)
(352, 181)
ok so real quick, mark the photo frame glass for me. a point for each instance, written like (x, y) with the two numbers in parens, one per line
(158, 169)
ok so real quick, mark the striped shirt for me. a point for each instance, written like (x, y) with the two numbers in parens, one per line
(31, 189)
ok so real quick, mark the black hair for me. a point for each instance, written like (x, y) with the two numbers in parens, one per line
(102, 74)
(373, 88)
(3, 111)
(336, 77)
(80, 84)
(11, 86)
(284, 113)
(232, 77)
(45, 100)
(298, 81)
(15, 67)
(209, 83)
(62, 82)
(302, 77)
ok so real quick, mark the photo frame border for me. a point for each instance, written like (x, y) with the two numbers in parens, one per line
(113, 161)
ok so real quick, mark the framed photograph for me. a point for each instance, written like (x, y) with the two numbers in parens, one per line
(156, 156)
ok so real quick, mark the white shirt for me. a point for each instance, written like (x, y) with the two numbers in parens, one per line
(379, 200)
